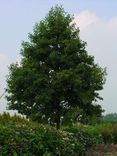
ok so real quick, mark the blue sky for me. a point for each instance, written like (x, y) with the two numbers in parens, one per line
(97, 20)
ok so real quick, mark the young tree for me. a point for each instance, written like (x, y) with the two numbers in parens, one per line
(56, 73)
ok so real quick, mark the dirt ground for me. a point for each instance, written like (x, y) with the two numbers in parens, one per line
(103, 150)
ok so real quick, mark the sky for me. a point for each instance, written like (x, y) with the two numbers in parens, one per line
(96, 19)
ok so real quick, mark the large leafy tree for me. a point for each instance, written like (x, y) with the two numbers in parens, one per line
(89, 114)
(56, 73)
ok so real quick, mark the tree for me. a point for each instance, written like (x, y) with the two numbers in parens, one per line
(56, 73)
(110, 117)
(91, 114)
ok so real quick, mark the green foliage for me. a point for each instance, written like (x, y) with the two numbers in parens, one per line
(56, 73)
(85, 139)
(102, 133)
(90, 115)
(19, 137)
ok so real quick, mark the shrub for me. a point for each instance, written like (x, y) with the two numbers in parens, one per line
(87, 140)
(102, 133)
(20, 137)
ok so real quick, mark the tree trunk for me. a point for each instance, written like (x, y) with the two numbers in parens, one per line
(58, 123)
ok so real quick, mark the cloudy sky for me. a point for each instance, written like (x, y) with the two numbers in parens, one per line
(97, 20)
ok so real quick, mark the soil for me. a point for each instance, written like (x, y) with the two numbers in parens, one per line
(103, 150)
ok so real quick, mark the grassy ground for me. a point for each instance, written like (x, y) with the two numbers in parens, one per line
(103, 150)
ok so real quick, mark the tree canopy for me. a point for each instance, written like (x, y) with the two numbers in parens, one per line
(56, 73)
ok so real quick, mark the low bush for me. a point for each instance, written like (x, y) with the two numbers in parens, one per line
(20, 137)
(102, 133)
(86, 138)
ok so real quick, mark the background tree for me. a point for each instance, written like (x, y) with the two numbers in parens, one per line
(56, 73)
(110, 117)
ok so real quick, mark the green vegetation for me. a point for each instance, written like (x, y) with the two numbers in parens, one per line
(105, 132)
(19, 137)
(56, 84)
(110, 117)
(56, 74)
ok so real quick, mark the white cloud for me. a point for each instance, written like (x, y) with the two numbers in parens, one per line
(85, 19)
(101, 37)
(112, 25)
